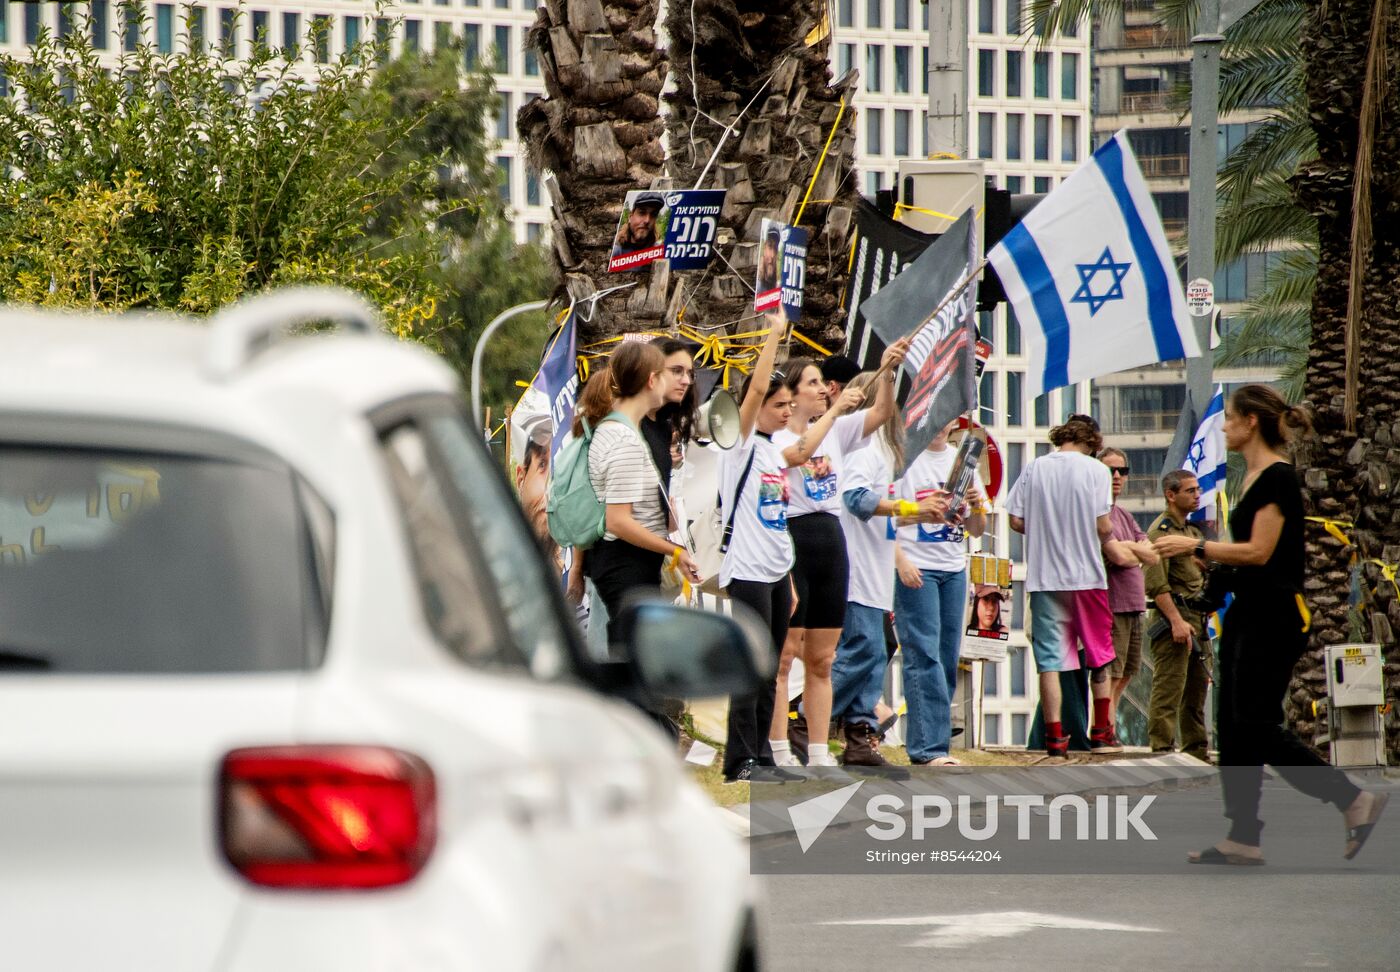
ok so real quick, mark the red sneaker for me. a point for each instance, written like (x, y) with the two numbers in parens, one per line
(1104, 741)
(1057, 745)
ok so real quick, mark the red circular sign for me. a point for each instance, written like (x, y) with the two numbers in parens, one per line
(991, 465)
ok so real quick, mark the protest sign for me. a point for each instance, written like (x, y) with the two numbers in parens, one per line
(679, 227)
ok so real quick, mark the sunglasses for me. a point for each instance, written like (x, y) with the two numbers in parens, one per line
(1123, 471)
(779, 374)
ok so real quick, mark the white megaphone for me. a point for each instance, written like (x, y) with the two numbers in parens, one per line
(719, 419)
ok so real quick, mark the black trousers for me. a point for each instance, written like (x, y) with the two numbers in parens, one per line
(617, 568)
(1263, 639)
(749, 715)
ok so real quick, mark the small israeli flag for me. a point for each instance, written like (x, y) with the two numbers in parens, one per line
(1206, 456)
(1091, 277)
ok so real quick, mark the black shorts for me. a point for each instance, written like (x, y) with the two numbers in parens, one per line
(820, 570)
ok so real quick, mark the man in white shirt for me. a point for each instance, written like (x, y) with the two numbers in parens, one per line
(1062, 503)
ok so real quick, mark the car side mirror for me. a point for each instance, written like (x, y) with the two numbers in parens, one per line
(679, 652)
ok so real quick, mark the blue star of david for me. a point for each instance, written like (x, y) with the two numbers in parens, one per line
(1196, 455)
(1087, 272)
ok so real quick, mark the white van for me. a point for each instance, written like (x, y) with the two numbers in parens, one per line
(285, 684)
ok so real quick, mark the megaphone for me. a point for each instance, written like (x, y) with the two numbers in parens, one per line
(719, 419)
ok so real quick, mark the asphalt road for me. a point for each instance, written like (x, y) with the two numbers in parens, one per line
(1307, 909)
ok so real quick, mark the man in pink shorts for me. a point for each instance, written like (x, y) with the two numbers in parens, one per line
(1061, 503)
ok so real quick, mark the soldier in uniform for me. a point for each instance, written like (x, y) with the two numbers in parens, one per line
(1180, 670)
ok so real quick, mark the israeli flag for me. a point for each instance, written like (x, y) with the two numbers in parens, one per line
(1091, 278)
(1206, 456)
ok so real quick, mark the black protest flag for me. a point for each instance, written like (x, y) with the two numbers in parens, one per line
(881, 248)
(935, 299)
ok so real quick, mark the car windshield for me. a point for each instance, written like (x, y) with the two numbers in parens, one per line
(121, 562)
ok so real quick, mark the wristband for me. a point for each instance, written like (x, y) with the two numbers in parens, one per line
(906, 508)
(1201, 550)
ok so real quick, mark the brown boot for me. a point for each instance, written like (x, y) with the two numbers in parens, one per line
(862, 746)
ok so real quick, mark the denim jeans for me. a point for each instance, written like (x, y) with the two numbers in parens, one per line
(929, 620)
(858, 674)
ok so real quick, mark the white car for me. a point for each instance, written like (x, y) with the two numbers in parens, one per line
(285, 685)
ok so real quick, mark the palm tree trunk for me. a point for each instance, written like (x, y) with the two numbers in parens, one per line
(1352, 475)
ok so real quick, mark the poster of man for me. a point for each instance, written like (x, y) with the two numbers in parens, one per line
(767, 286)
(641, 230)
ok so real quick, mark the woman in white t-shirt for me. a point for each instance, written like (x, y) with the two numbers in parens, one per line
(625, 478)
(930, 598)
(819, 435)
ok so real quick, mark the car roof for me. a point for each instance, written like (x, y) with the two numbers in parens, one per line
(169, 368)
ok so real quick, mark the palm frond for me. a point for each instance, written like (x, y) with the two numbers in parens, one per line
(1274, 148)
(1274, 23)
(1267, 217)
(1289, 282)
(1260, 79)
(1272, 339)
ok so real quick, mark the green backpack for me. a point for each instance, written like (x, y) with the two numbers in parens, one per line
(577, 517)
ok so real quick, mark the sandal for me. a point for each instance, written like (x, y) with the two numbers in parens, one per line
(1213, 855)
(1356, 836)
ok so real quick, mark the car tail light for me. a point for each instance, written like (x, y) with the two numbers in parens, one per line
(326, 816)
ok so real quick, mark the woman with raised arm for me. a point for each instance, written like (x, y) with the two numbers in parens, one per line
(819, 436)
(1265, 633)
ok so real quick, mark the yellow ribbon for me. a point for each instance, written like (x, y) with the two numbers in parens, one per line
(1334, 527)
(820, 159)
(810, 343)
(1387, 572)
(1303, 612)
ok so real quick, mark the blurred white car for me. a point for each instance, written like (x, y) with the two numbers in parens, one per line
(284, 683)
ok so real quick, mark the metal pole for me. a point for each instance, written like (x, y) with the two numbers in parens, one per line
(478, 352)
(1200, 227)
(947, 78)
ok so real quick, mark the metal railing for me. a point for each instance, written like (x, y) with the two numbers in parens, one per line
(1165, 166)
(1152, 35)
(1138, 103)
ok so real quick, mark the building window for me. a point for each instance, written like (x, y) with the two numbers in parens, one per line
(165, 28)
(1069, 401)
(874, 131)
(1016, 545)
(1042, 185)
(872, 13)
(873, 183)
(503, 116)
(1015, 128)
(1015, 399)
(65, 20)
(991, 728)
(101, 26)
(1042, 410)
(989, 678)
(1042, 449)
(1069, 138)
(1018, 729)
(986, 73)
(986, 134)
(383, 38)
(845, 58)
(901, 70)
(532, 63)
(502, 4)
(923, 18)
(291, 35)
(924, 119)
(1015, 461)
(352, 33)
(1013, 325)
(321, 37)
(412, 35)
(1013, 184)
(874, 65)
(846, 13)
(197, 28)
(503, 164)
(442, 35)
(228, 32)
(471, 46)
(901, 14)
(261, 28)
(1042, 74)
(1069, 77)
(1013, 17)
(1042, 139)
(31, 24)
(1015, 61)
(532, 189)
(1016, 664)
(986, 16)
(925, 50)
(502, 42)
(987, 397)
(534, 232)
(902, 120)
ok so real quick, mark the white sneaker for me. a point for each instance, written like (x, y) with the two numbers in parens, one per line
(786, 759)
(820, 756)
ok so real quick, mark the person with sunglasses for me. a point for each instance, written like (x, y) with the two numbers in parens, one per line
(1126, 598)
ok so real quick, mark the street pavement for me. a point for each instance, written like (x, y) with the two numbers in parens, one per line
(1306, 909)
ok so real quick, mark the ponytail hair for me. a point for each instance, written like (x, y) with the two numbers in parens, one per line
(1279, 423)
(594, 402)
(892, 431)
